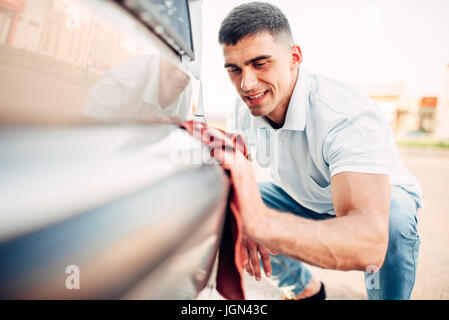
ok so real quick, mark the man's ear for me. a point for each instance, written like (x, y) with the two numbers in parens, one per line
(296, 56)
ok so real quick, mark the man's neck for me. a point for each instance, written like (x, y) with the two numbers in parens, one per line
(273, 124)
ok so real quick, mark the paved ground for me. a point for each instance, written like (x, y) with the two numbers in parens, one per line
(431, 167)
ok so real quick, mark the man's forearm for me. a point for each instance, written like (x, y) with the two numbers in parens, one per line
(330, 244)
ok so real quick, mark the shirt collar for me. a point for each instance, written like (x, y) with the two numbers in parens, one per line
(295, 119)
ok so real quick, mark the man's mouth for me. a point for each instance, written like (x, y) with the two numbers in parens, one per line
(256, 98)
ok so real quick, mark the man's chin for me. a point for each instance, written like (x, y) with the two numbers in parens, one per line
(257, 111)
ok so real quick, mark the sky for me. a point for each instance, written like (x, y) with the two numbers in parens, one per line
(363, 42)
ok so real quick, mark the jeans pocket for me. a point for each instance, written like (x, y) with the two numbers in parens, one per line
(405, 207)
(411, 232)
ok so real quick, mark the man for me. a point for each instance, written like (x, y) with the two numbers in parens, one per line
(342, 198)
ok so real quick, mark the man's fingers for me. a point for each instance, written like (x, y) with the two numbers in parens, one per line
(227, 156)
(254, 259)
(211, 134)
(247, 263)
(250, 254)
(265, 257)
(244, 257)
(249, 269)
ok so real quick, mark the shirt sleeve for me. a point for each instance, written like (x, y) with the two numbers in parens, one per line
(359, 144)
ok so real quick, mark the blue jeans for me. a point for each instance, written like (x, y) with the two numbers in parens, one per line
(395, 279)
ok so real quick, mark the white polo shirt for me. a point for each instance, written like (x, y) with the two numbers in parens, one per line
(330, 127)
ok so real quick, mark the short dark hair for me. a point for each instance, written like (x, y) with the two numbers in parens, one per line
(252, 18)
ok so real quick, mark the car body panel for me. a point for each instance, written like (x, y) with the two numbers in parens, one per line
(102, 194)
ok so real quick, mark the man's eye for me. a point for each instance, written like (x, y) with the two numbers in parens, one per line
(233, 70)
(260, 64)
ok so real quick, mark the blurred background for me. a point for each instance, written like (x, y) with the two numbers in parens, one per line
(398, 53)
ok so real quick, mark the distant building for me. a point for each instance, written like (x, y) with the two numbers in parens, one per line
(64, 29)
(10, 11)
(427, 113)
(400, 112)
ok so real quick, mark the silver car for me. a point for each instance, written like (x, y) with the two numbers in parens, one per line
(102, 195)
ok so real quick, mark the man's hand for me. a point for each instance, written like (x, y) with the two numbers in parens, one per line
(250, 258)
(246, 195)
(246, 200)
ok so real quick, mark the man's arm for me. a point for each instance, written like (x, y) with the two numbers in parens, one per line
(356, 239)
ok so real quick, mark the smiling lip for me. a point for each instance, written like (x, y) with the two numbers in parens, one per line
(256, 98)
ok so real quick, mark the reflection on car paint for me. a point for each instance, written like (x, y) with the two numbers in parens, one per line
(55, 55)
(143, 87)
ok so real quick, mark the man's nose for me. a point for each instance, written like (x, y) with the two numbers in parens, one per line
(249, 80)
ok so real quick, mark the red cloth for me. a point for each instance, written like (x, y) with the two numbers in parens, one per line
(230, 269)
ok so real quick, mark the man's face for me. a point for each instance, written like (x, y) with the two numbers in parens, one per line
(264, 73)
